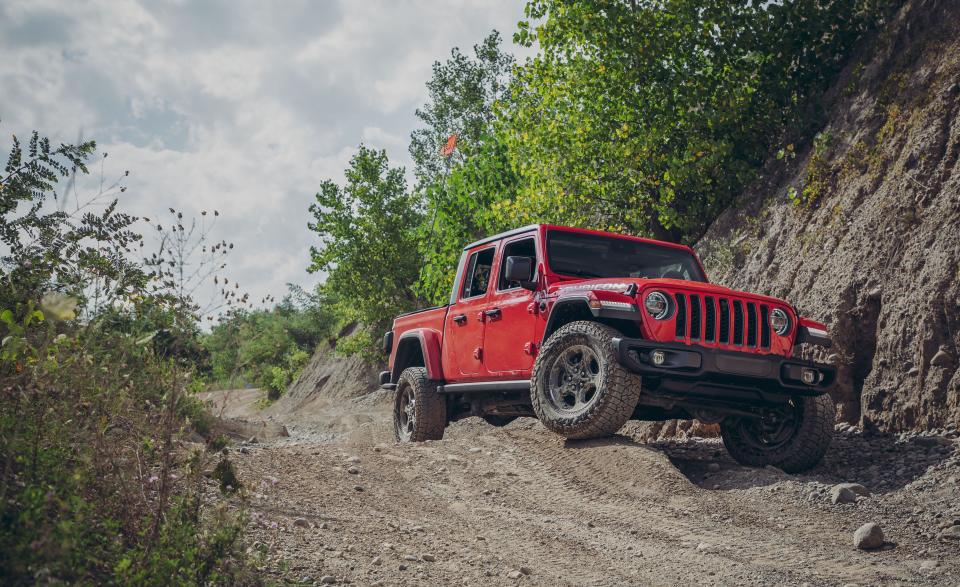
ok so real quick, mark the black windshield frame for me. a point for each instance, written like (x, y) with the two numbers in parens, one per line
(616, 257)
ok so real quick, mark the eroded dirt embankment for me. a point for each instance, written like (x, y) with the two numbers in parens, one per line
(337, 500)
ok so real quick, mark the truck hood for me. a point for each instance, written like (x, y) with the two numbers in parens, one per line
(621, 284)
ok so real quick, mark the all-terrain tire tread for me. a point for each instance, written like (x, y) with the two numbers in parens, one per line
(430, 419)
(619, 392)
(808, 447)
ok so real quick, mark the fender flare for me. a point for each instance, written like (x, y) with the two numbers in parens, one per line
(427, 342)
(588, 311)
(562, 304)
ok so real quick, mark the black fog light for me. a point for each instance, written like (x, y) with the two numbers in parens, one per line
(809, 376)
(658, 357)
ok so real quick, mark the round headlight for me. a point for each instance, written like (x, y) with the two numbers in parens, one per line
(657, 305)
(779, 321)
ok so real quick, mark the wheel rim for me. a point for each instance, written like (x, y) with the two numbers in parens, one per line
(406, 414)
(774, 429)
(574, 380)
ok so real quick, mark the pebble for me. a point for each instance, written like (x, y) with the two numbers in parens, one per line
(475, 450)
(353, 470)
(514, 575)
(526, 570)
(328, 580)
(428, 557)
(842, 495)
(410, 557)
(377, 561)
(353, 460)
(868, 537)
(856, 488)
(951, 534)
(941, 359)
(358, 488)
(301, 523)
(402, 567)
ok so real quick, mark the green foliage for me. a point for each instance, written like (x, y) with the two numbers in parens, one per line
(461, 191)
(82, 250)
(650, 116)
(368, 231)
(96, 486)
(268, 348)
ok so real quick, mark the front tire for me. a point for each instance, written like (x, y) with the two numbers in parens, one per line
(419, 412)
(793, 438)
(578, 388)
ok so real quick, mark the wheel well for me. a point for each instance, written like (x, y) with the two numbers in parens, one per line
(409, 354)
(573, 310)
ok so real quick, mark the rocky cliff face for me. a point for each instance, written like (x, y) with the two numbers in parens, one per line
(333, 376)
(861, 228)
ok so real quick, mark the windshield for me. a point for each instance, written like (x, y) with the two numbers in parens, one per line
(591, 255)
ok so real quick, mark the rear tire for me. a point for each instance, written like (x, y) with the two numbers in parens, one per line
(793, 440)
(419, 412)
(578, 388)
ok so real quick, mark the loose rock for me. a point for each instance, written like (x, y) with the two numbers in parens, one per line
(301, 523)
(951, 534)
(941, 359)
(514, 575)
(842, 495)
(428, 557)
(868, 537)
(328, 580)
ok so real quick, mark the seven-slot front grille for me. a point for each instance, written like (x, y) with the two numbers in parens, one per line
(722, 320)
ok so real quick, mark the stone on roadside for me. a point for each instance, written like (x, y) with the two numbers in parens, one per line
(514, 575)
(377, 561)
(428, 557)
(856, 488)
(941, 359)
(526, 570)
(951, 534)
(301, 523)
(328, 580)
(410, 557)
(475, 450)
(353, 470)
(842, 495)
(868, 537)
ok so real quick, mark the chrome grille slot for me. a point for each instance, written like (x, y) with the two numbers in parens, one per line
(737, 322)
(765, 326)
(681, 315)
(695, 313)
(724, 321)
(751, 324)
(710, 320)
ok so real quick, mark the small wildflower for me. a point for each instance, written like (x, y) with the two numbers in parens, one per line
(59, 307)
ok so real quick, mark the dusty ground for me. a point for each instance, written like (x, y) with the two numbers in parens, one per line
(337, 500)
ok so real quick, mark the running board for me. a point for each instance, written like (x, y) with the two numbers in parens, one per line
(485, 386)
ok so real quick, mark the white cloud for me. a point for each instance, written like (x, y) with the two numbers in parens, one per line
(239, 106)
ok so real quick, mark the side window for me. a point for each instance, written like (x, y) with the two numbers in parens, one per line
(520, 248)
(478, 274)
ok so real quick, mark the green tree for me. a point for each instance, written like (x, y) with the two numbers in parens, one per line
(368, 230)
(460, 190)
(651, 115)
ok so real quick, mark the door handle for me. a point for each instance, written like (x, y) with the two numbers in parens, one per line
(460, 319)
(494, 313)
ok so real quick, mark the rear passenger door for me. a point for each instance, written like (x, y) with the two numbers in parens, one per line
(511, 322)
(464, 329)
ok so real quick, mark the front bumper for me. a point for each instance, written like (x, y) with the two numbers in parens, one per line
(702, 371)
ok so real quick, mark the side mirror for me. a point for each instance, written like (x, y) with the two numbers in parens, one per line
(520, 270)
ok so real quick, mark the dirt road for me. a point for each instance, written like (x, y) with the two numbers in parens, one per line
(339, 501)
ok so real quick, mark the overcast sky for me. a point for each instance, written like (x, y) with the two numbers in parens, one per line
(241, 106)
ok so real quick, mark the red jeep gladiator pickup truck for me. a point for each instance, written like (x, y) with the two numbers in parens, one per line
(586, 330)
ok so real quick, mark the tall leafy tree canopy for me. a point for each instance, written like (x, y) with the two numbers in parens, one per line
(368, 228)
(649, 116)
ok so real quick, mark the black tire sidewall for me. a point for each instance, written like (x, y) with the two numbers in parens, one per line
(804, 450)
(617, 392)
(430, 408)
